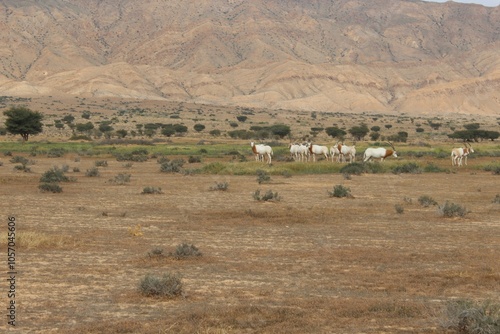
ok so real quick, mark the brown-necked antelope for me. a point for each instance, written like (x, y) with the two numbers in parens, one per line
(460, 154)
(317, 149)
(379, 152)
(261, 150)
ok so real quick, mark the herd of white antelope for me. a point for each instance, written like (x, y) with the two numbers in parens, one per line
(343, 153)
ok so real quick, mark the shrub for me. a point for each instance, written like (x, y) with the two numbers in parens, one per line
(262, 176)
(56, 152)
(451, 210)
(432, 168)
(466, 317)
(121, 179)
(340, 191)
(411, 168)
(101, 163)
(493, 169)
(399, 208)
(152, 190)
(426, 201)
(173, 166)
(497, 199)
(19, 160)
(54, 175)
(185, 250)
(22, 168)
(193, 159)
(169, 285)
(50, 187)
(355, 168)
(136, 156)
(221, 186)
(92, 172)
(268, 196)
(156, 253)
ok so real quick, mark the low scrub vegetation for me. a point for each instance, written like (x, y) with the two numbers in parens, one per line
(450, 209)
(426, 201)
(268, 196)
(151, 190)
(185, 250)
(340, 191)
(168, 285)
(220, 186)
(468, 317)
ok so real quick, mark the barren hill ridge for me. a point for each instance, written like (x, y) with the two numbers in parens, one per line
(324, 55)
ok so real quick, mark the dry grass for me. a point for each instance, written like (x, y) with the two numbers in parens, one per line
(34, 239)
(308, 263)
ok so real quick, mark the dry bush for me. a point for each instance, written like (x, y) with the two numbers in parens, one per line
(168, 285)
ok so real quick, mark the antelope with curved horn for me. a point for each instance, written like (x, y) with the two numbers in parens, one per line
(379, 152)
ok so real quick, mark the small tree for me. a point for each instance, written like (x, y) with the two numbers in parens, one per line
(359, 132)
(335, 132)
(199, 127)
(23, 121)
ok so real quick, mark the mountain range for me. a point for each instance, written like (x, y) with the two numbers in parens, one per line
(388, 56)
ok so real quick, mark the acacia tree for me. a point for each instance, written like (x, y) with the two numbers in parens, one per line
(23, 121)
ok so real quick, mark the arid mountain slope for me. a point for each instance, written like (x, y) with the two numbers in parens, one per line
(335, 55)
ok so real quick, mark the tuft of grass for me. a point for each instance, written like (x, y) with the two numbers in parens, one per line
(151, 190)
(268, 196)
(496, 199)
(29, 240)
(135, 231)
(340, 191)
(355, 168)
(468, 317)
(50, 188)
(156, 252)
(426, 201)
(262, 176)
(185, 250)
(220, 186)
(168, 285)
(121, 179)
(171, 166)
(92, 172)
(452, 210)
(410, 168)
(101, 163)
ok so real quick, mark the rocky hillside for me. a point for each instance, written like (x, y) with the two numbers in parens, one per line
(325, 55)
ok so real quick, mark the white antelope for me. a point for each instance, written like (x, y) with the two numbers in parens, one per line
(317, 149)
(460, 154)
(335, 150)
(303, 152)
(294, 151)
(379, 152)
(349, 151)
(260, 150)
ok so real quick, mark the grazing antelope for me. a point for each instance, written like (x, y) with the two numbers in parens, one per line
(379, 152)
(260, 150)
(317, 149)
(460, 154)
